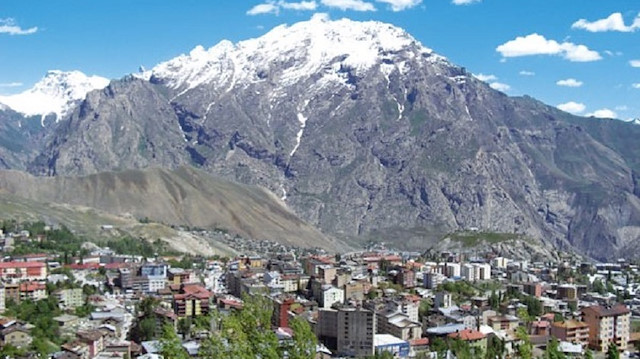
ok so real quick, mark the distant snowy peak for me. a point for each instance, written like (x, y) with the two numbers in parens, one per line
(57, 93)
(299, 50)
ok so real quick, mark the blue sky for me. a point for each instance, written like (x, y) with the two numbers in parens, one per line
(573, 52)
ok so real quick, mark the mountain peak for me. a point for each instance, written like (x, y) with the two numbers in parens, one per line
(302, 49)
(56, 93)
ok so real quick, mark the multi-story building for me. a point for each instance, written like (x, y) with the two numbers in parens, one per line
(290, 282)
(154, 269)
(431, 280)
(347, 330)
(607, 324)
(327, 273)
(533, 289)
(329, 295)
(21, 271)
(70, 298)
(406, 278)
(125, 278)
(12, 292)
(503, 322)
(281, 307)
(442, 300)
(193, 300)
(572, 331)
(475, 271)
(33, 291)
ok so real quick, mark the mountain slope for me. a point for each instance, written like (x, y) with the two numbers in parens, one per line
(185, 197)
(366, 133)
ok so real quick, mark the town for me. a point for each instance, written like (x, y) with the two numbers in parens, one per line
(61, 297)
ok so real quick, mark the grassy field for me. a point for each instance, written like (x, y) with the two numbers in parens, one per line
(472, 239)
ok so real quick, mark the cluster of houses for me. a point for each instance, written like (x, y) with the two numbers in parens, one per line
(358, 304)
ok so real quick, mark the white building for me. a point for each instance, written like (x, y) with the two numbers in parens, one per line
(432, 280)
(330, 295)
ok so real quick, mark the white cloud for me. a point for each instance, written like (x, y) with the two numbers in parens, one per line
(614, 22)
(11, 84)
(622, 108)
(356, 5)
(492, 81)
(611, 53)
(300, 6)
(8, 26)
(464, 2)
(634, 63)
(535, 44)
(569, 83)
(260, 9)
(400, 5)
(273, 7)
(500, 86)
(603, 113)
(572, 107)
(527, 73)
(485, 78)
(636, 85)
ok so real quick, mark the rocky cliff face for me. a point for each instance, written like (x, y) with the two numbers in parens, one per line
(363, 131)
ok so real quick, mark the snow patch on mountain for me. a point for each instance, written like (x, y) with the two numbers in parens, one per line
(303, 123)
(297, 51)
(57, 93)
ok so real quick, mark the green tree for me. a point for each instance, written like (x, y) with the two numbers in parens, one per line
(9, 351)
(85, 310)
(424, 309)
(495, 348)
(170, 344)
(524, 316)
(304, 340)
(247, 334)
(525, 348)
(588, 354)
(552, 351)
(598, 286)
(440, 347)
(494, 300)
(612, 352)
(460, 349)
(184, 326)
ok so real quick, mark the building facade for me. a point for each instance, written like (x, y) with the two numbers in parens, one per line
(607, 324)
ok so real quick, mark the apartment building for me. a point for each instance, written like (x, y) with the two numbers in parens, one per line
(572, 331)
(23, 271)
(348, 330)
(607, 324)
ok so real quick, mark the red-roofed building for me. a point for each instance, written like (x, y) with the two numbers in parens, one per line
(33, 291)
(193, 300)
(419, 345)
(541, 327)
(475, 338)
(83, 266)
(31, 271)
(227, 303)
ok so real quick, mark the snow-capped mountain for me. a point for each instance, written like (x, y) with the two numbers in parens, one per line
(363, 131)
(56, 93)
(319, 47)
